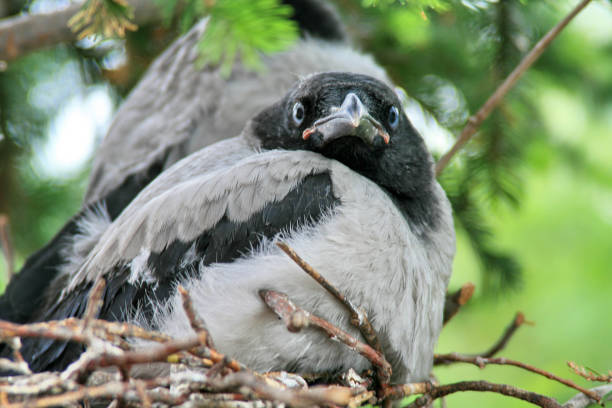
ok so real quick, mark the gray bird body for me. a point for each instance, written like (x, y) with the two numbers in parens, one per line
(380, 230)
(363, 245)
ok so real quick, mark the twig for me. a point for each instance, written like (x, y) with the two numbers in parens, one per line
(590, 374)
(196, 321)
(582, 401)
(50, 330)
(6, 244)
(484, 386)
(359, 317)
(476, 120)
(454, 301)
(518, 321)
(285, 309)
(329, 395)
(94, 302)
(483, 361)
(398, 391)
(127, 391)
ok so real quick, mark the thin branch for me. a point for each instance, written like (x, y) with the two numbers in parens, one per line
(399, 391)
(22, 34)
(484, 386)
(6, 245)
(195, 320)
(518, 321)
(359, 317)
(454, 301)
(198, 325)
(296, 318)
(476, 120)
(94, 302)
(582, 401)
(482, 362)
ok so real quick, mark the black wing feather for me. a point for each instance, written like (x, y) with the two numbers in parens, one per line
(225, 242)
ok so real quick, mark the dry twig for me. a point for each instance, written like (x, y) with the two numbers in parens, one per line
(296, 318)
(476, 120)
(359, 317)
(484, 386)
(518, 321)
(484, 361)
(454, 301)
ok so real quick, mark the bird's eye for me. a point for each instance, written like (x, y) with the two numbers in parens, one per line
(393, 117)
(298, 113)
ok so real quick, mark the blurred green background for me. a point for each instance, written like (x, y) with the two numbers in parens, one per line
(532, 193)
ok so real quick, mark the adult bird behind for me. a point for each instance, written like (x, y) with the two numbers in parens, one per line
(336, 170)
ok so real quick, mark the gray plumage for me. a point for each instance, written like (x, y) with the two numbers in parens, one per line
(386, 242)
(177, 108)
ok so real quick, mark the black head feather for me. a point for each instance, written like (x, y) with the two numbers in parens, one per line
(400, 163)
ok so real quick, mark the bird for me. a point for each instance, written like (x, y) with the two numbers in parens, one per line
(335, 170)
(177, 108)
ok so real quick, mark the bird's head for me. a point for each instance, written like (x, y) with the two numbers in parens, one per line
(355, 119)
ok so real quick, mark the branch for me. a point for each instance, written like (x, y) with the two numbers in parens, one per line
(455, 301)
(198, 325)
(359, 317)
(484, 386)
(296, 318)
(482, 362)
(22, 34)
(582, 401)
(517, 322)
(476, 120)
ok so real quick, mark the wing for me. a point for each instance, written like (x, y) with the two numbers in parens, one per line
(211, 218)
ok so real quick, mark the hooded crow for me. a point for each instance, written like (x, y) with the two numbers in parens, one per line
(336, 170)
(177, 108)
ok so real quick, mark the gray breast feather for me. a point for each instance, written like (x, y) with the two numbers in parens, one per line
(194, 202)
(368, 250)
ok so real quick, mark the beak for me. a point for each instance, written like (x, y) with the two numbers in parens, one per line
(350, 119)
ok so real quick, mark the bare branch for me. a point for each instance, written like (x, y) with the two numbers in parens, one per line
(476, 120)
(359, 317)
(517, 322)
(484, 386)
(285, 309)
(454, 301)
(94, 302)
(198, 325)
(582, 401)
(483, 361)
(22, 34)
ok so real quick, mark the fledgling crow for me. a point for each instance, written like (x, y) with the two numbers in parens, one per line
(336, 170)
